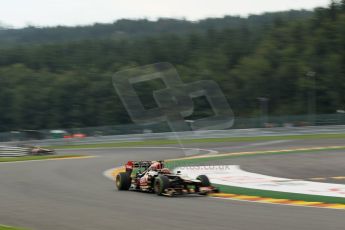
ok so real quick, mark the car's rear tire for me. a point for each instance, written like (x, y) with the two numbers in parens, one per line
(161, 184)
(205, 182)
(123, 181)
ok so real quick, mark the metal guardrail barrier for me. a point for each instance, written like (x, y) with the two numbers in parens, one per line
(8, 151)
(280, 131)
(276, 125)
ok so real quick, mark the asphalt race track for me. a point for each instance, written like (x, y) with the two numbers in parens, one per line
(73, 194)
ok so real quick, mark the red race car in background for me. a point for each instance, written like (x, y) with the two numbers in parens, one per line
(152, 176)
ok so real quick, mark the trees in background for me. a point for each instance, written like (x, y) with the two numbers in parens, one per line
(56, 78)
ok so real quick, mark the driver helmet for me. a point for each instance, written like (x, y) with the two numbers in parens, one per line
(156, 166)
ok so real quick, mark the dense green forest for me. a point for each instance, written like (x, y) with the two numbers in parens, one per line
(138, 28)
(61, 77)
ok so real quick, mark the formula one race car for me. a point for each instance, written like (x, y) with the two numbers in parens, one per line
(152, 176)
(38, 151)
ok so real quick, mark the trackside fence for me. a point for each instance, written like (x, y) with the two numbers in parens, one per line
(8, 151)
(272, 125)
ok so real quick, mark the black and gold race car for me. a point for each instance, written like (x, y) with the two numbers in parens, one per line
(152, 176)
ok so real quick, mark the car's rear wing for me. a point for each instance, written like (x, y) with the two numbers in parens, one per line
(139, 164)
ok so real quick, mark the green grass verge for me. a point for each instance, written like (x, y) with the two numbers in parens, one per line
(4, 227)
(205, 140)
(256, 192)
(279, 195)
(32, 158)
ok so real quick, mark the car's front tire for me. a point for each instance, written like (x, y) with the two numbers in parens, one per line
(205, 182)
(161, 184)
(123, 181)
